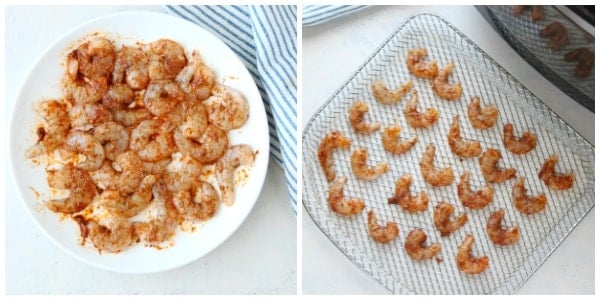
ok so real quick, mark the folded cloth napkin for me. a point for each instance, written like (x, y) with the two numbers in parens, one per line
(264, 37)
(318, 14)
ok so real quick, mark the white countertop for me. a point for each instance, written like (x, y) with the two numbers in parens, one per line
(333, 51)
(259, 258)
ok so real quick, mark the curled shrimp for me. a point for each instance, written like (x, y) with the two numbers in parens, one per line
(160, 228)
(585, 58)
(86, 116)
(385, 96)
(209, 147)
(466, 262)
(403, 197)
(234, 157)
(117, 96)
(167, 59)
(196, 79)
(92, 59)
(332, 140)
(458, 146)
(130, 172)
(435, 177)
(555, 180)
(84, 90)
(526, 204)
(198, 203)
(356, 114)
(131, 67)
(536, 15)
(441, 219)
(55, 130)
(341, 205)
(497, 234)
(381, 234)
(85, 144)
(227, 108)
(152, 140)
(481, 118)
(184, 175)
(557, 33)
(441, 87)
(518, 145)
(112, 240)
(195, 121)
(358, 161)
(129, 205)
(418, 67)
(470, 199)
(488, 161)
(113, 137)
(131, 117)
(415, 248)
(161, 97)
(78, 182)
(392, 144)
(418, 119)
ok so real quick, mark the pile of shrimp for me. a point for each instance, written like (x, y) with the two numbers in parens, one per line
(136, 139)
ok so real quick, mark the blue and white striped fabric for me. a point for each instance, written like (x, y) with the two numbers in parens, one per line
(318, 14)
(264, 37)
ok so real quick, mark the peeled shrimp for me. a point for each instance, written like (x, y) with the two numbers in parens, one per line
(497, 234)
(112, 240)
(198, 203)
(464, 149)
(152, 140)
(519, 145)
(481, 118)
(86, 116)
(131, 67)
(131, 117)
(385, 96)
(488, 161)
(160, 228)
(356, 114)
(418, 67)
(585, 58)
(392, 144)
(381, 234)
(441, 219)
(129, 205)
(167, 59)
(403, 197)
(234, 156)
(85, 144)
(558, 35)
(113, 137)
(131, 172)
(84, 90)
(78, 182)
(536, 15)
(332, 140)
(227, 108)
(417, 119)
(442, 88)
(184, 175)
(474, 200)
(415, 248)
(211, 145)
(117, 96)
(341, 205)
(466, 262)
(555, 180)
(196, 79)
(92, 59)
(161, 97)
(435, 177)
(195, 121)
(525, 204)
(55, 130)
(358, 161)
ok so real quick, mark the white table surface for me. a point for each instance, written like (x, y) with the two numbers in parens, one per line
(259, 258)
(333, 51)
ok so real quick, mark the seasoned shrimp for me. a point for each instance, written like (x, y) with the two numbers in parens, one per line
(112, 240)
(79, 183)
(113, 137)
(211, 145)
(435, 177)
(161, 97)
(403, 197)
(86, 116)
(518, 145)
(54, 131)
(152, 140)
(167, 59)
(555, 180)
(184, 175)
(227, 108)
(481, 118)
(234, 156)
(131, 117)
(585, 58)
(358, 161)
(92, 59)
(356, 114)
(162, 227)
(536, 15)
(418, 119)
(385, 96)
(474, 200)
(117, 96)
(131, 67)
(418, 67)
(332, 140)
(392, 144)
(381, 234)
(442, 88)
(131, 171)
(466, 262)
(441, 219)
(341, 205)
(488, 161)
(196, 79)
(88, 146)
(415, 248)
(558, 35)
(84, 90)
(137, 201)
(198, 203)
(195, 121)
(525, 204)
(461, 148)
(497, 234)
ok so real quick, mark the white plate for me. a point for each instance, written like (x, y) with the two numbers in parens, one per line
(43, 83)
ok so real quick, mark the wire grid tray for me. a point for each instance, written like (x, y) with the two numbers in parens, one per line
(480, 76)
(524, 35)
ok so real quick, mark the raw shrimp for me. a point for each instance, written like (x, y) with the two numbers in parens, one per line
(84, 90)
(555, 180)
(234, 156)
(488, 161)
(435, 177)
(441, 219)
(227, 108)
(332, 140)
(418, 67)
(195, 121)
(196, 79)
(131, 171)
(167, 59)
(518, 145)
(131, 67)
(161, 97)
(525, 204)
(415, 248)
(105, 177)
(466, 262)
(441, 87)
(129, 205)
(92, 59)
(160, 228)
(184, 175)
(474, 200)
(113, 240)
(381, 234)
(392, 144)
(403, 197)
(78, 182)
(417, 119)
(358, 161)
(131, 117)
(85, 144)
(118, 96)
(113, 137)
(385, 96)
(497, 234)
(557, 33)
(464, 149)
(356, 114)
(152, 140)
(481, 118)
(198, 203)
(211, 145)
(341, 205)
(55, 130)
(86, 116)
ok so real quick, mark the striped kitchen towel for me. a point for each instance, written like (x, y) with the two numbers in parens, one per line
(318, 14)
(264, 37)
